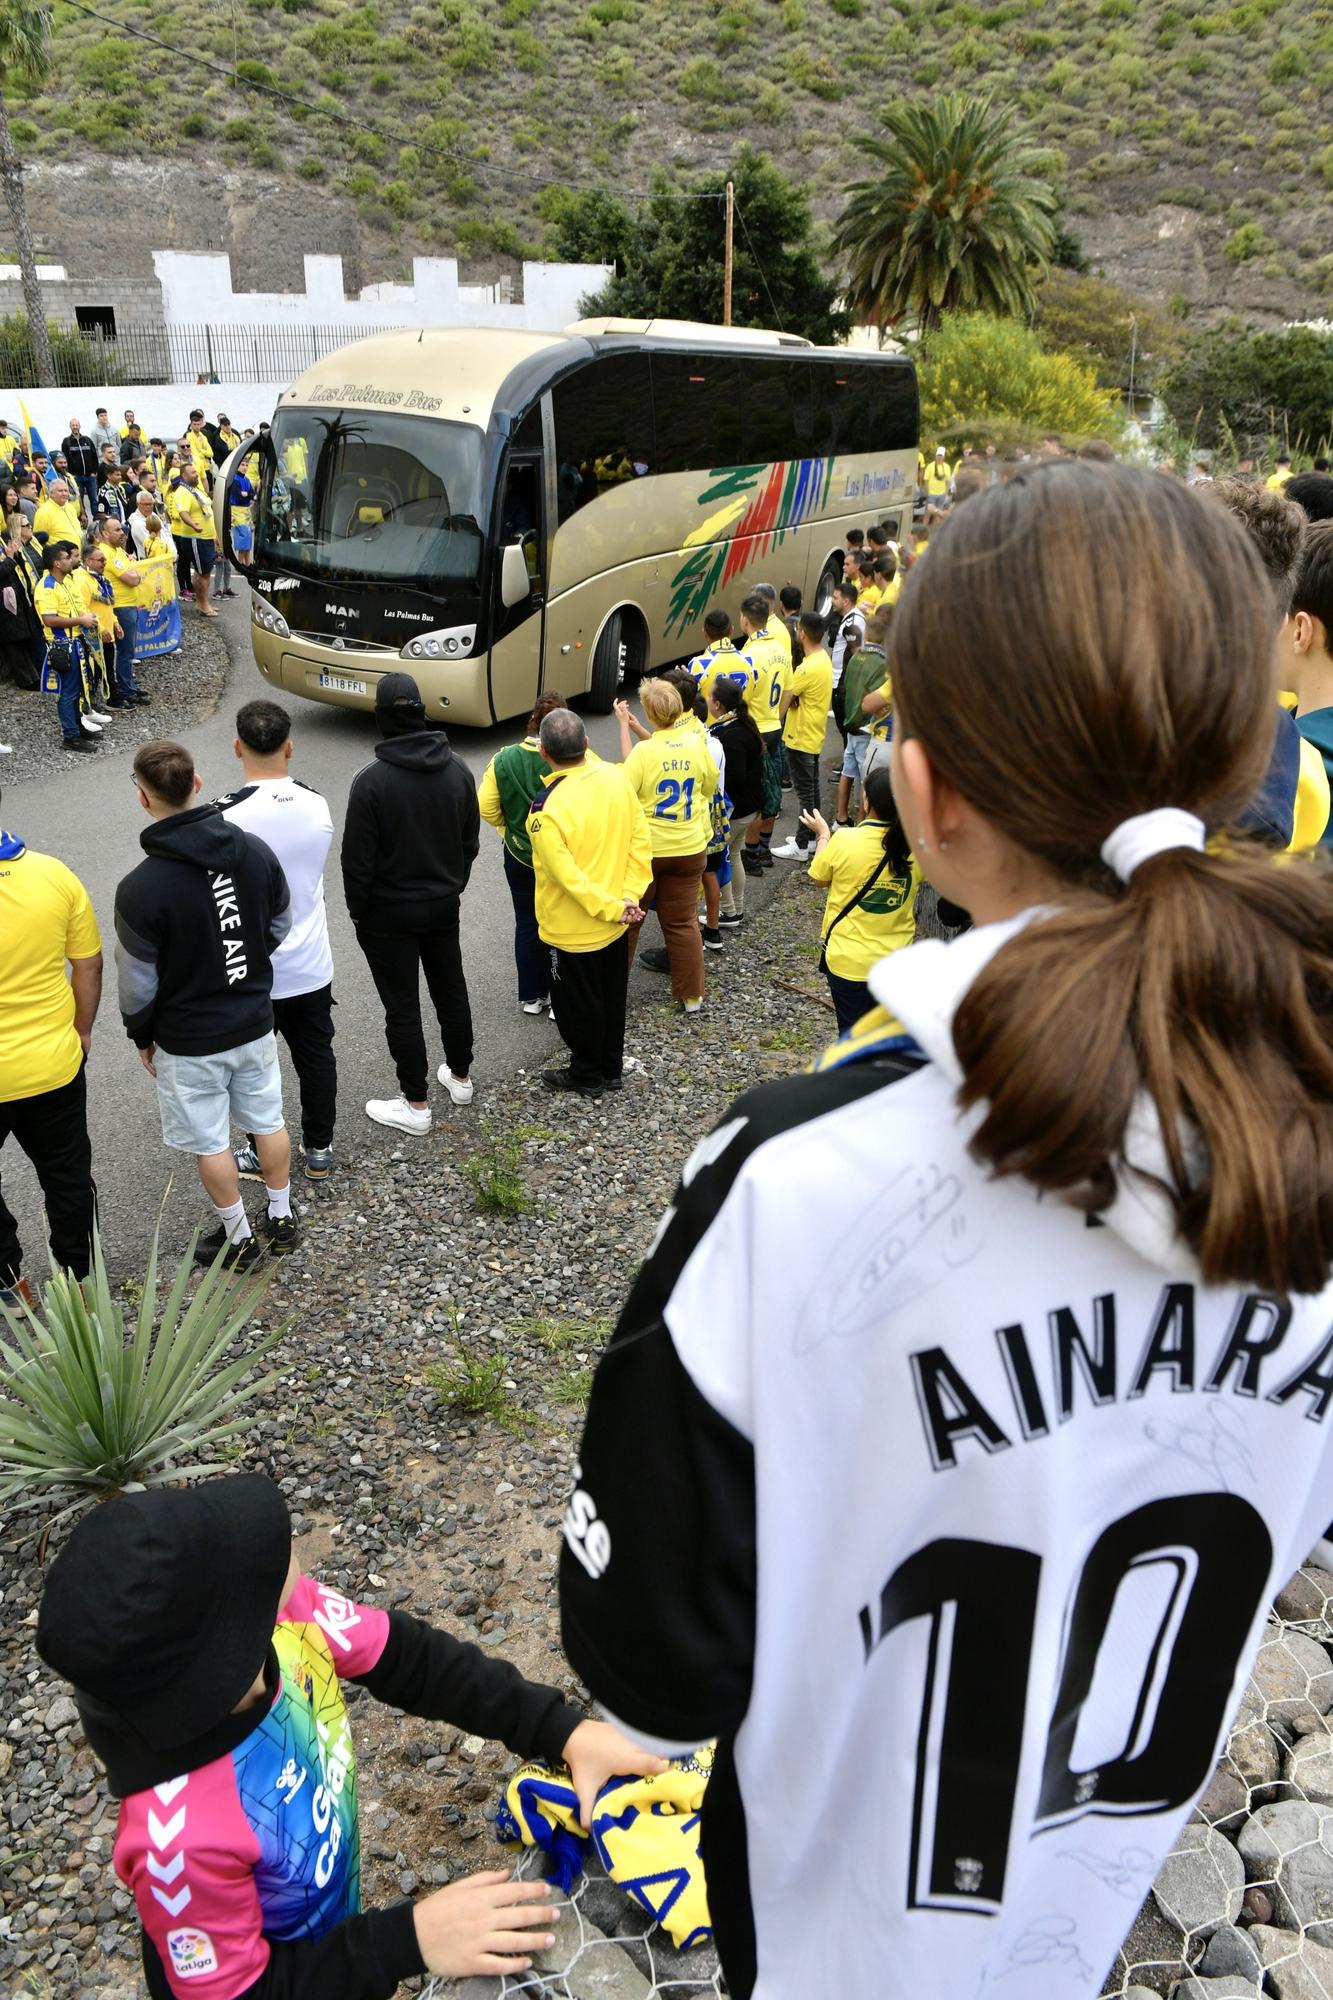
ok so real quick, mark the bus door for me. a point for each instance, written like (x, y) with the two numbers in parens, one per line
(518, 647)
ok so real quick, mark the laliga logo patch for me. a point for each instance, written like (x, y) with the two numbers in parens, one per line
(192, 1953)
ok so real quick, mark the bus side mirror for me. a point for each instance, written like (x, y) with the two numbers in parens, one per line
(515, 583)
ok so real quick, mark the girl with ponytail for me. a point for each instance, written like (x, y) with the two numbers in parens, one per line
(982, 1379)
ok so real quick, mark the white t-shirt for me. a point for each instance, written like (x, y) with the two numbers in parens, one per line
(296, 823)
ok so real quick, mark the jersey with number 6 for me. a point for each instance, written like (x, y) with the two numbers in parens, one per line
(769, 653)
(965, 1513)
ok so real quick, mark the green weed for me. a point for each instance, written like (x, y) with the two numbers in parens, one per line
(496, 1177)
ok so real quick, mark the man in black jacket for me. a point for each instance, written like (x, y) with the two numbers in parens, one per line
(196, 924)
(81, 453)
(410, 837)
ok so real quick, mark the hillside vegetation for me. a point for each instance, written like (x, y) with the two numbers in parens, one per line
(1220, 110)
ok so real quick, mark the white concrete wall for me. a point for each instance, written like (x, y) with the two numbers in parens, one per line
(163, 410)
(197, 290)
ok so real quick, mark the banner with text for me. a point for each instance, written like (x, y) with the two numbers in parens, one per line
(159, 610)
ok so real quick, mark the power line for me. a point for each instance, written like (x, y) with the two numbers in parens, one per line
(759, 267)
(362, 124)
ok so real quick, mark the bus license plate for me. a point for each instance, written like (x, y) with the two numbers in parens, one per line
(342, 684)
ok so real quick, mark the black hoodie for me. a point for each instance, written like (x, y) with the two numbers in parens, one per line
(410, 835)
(196, 923)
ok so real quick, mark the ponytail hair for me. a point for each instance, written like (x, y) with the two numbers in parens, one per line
(1057, 702)
(731, 698)
(877, 787)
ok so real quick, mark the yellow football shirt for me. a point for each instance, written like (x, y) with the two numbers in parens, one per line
(884, 919)
(675, 777)
(811, 687)
(45, 918)
(769, 653)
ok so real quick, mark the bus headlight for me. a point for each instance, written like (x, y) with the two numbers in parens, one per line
(268, 619)
(440, 645)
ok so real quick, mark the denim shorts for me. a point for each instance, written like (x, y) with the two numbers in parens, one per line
(855, 752)
(199, 1096)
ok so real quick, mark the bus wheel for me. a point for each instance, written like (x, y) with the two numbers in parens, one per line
(621, 654)
(829, 579)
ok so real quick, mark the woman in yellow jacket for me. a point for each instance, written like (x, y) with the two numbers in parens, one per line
(872, 883)
(673, 772)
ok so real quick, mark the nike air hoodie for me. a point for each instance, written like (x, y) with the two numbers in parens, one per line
(196, 925)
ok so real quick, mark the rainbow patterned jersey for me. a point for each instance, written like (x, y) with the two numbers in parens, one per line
(261, 1843)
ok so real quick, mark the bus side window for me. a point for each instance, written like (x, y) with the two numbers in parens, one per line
(697, 407)
(777, 420)
(603, 413)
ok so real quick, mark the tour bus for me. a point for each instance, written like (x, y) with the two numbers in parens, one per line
(501, 512)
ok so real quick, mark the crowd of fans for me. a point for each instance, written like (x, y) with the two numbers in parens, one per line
(1105, 776)
(80, 530)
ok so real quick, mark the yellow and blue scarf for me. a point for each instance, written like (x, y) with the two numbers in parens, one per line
(645, 1832)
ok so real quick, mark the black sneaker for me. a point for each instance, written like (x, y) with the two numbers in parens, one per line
(243, 1256)
(731, 920)
(565, 1080)
(655, 959)
(613, 1083)
(84, 745)
(712, 939)
(750, 861)
(281, 1233)
(766, 858)
(139, 700)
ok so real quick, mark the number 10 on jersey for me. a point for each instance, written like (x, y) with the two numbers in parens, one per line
(1159, 1688)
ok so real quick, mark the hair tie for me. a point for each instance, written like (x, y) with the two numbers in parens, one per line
(1138, 839)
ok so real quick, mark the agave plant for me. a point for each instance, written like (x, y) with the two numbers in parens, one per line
(92, 1406)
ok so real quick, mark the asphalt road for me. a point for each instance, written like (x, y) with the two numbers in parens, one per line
(89, 816)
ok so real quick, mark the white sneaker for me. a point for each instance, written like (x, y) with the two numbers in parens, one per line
(397, 1111)
(459, 1088)
(692, 1006)
(88, 726)
(791, 850)
(535, 1007)
(96, 715)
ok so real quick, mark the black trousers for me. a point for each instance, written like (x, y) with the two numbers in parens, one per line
(305, 1022)
(588, 995)
(52, 1129)
(397, 958)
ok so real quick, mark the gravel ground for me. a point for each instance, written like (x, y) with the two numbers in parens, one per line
(402, 1284)
(185, 687)
(438, 1362)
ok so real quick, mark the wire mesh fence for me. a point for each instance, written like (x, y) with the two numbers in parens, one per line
(1243, 1906)
(148, 352)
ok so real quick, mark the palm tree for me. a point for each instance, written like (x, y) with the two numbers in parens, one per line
(25, 51)
(956, 213)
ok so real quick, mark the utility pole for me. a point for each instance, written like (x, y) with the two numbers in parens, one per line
(727, 253)
(1133, 356)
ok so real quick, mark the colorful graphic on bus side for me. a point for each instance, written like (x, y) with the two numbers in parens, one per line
(760, 504)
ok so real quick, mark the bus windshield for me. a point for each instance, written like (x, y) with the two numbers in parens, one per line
(373, 497)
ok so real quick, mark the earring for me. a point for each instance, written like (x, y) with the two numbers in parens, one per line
(921, 847)
(944, 847)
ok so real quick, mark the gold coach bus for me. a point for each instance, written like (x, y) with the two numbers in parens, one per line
(499, 512)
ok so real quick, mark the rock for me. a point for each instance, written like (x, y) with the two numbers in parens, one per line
(1293, 1676)
(1309, 1766)
(1297, 1969)
(1230, 1951)
(1309, 1596)
(602, 1973)
(1291, 1845)
(1227, 1988)
(1225, 1798)
(1257, 1906)
(61, 1713)
(1138, 1993)
(1201, 1881)
(1252, 1753)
